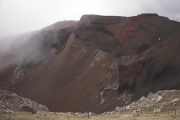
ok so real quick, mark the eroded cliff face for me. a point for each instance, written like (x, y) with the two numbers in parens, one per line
(97, 63)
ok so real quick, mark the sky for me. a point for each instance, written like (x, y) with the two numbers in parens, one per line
(20, 16)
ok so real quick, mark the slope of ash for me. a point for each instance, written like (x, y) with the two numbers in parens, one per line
(96, 63)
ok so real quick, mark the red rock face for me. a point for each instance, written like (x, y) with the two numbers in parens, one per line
(128, 74)
(68, 65)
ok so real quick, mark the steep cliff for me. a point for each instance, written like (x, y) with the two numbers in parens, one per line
(97, 63)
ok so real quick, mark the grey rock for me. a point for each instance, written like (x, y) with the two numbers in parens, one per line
(29, 109)
(85, 115)
(15, 103)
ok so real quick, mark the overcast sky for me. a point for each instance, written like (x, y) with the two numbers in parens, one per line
(19, 16)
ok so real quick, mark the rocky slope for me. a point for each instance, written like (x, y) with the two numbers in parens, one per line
(96, 63)
(12, 102)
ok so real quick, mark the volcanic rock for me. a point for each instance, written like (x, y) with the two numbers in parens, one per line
(10, 101)
(75, 65)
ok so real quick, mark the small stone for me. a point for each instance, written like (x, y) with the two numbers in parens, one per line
(173, 115)
(159, 92)
(86, 115)
(175, 100)
(56, 113)
(153, 99)
(159, 99)
(117, 108)
(174, 103)
(134, 112)
(142, 98)
(51, 113)
(76, 114)
(90, 113)
(112, 112)
(108, 113)
(128, 107)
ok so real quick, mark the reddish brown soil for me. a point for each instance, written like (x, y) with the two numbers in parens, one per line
(129, 74)
(66, 81)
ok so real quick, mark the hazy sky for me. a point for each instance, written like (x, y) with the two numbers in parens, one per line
(18, 16)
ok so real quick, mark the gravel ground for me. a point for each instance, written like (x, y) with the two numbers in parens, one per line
(163, 105)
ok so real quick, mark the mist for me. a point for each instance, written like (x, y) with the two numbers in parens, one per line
(20, 16)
